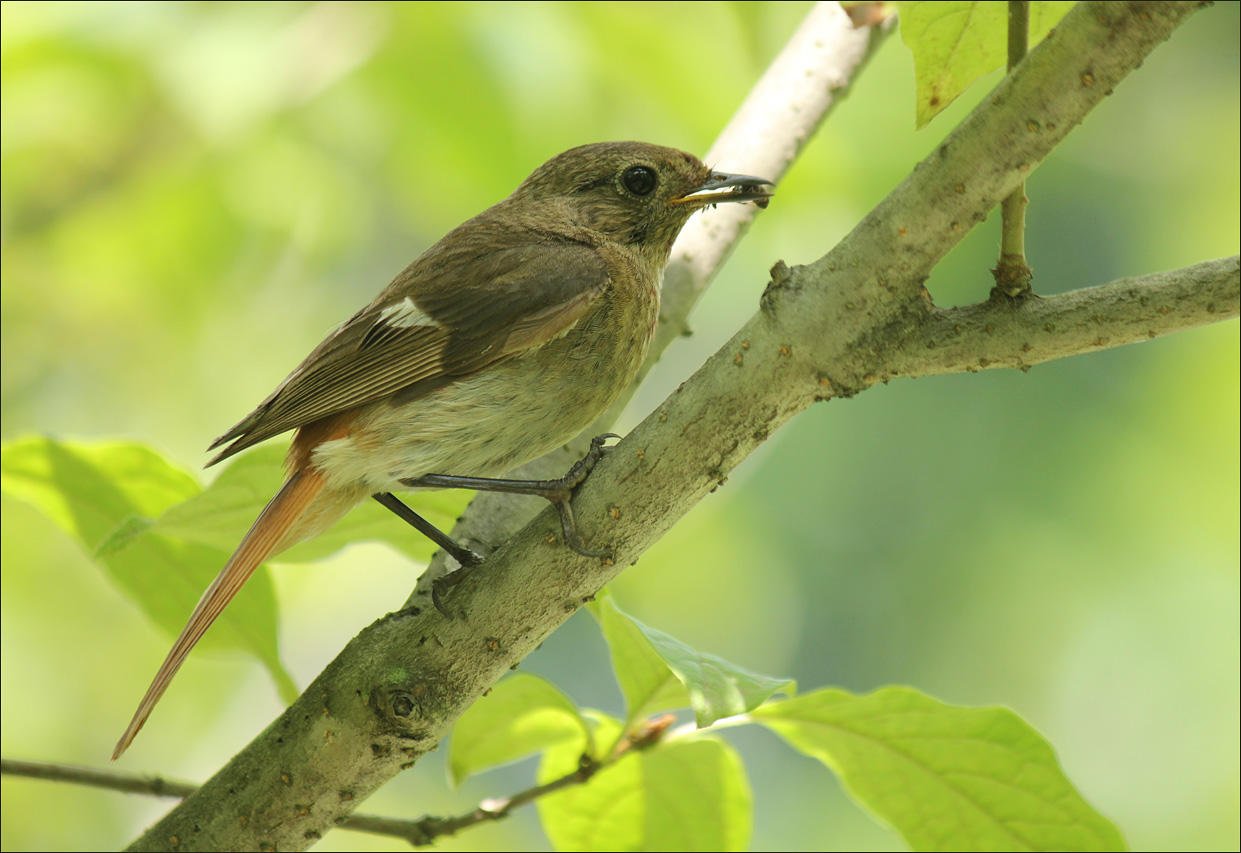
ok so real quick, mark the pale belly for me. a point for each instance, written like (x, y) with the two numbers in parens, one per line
(488, 424)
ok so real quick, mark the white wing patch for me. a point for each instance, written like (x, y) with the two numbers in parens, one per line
(404, 314)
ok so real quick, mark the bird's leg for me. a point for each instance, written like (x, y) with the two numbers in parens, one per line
(559, 492)
(464, 556)
(467, 558)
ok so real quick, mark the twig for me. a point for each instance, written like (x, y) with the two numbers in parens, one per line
(1012, 273)
(114, 780)
(425, 831)
(418, 833)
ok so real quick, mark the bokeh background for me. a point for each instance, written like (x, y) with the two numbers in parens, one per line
(194, 192)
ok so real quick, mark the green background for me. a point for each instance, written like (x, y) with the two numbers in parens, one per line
(193, 193)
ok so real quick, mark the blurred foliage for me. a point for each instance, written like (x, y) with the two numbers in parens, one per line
(191, 193)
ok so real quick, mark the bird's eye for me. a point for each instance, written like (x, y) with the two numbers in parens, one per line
(639, 180)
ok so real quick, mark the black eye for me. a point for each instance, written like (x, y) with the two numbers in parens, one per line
(639, 180)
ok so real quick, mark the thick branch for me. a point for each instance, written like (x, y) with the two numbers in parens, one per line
(830, 328)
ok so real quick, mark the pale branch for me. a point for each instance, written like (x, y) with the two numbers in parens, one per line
(765, 136)
(1018, 335)
(394, 691)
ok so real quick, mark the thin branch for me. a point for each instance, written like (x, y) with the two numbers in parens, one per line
(765, 136)
(1018, 31)
(112, 780)
(425, 831)
(1130, 310)
(1012, 273)
(419, 833)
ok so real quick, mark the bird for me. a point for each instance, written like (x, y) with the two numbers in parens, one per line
(501, 342)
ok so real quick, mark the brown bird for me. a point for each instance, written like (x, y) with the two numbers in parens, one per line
(504, 340)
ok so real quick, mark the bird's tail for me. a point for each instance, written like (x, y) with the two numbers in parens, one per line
(282, 523)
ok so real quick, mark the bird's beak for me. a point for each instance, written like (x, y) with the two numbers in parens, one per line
(720, 187)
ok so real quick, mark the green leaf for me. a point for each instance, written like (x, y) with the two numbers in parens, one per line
(224, 511)
(105, 495)
(648, 684)
(954, 43)
(717, 688)
(944, 777)
(92, 489)
(522, 715)
(647, 661)
(683, 794)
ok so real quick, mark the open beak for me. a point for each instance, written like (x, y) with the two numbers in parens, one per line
(721, 187)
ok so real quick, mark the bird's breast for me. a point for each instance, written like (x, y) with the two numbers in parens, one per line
(511, 412)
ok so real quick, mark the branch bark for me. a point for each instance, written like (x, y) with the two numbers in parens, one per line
(1019, 335)
(833, 328)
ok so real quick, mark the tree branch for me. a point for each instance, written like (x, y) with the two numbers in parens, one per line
(996, 334)
(827, 329)
(419, 832)
(112, 780)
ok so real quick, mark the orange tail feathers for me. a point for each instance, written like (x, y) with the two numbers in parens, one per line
(276, 529)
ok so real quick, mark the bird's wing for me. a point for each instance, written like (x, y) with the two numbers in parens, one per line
(447, 316)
